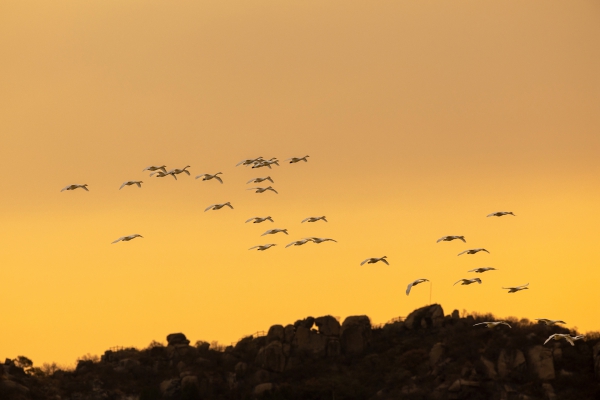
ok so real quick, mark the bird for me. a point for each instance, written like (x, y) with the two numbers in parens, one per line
(297, 159)
(321, 240)
(262, 190)
(472, 251)
(259, 180)
(516, 288)
(177, 171)
(129, 183)
(415, 283)
(249, 161)
(155, 168)
(482, 269)
(550, 321)
(468, 281)
(161, 174)
(263, 247)
(501, 213)
(274, 231)
(565, 336)
(298, 243)
(450, 238)
(218, 206)
(75, 186)
(493, 324)
(374, 260)
(208, 177)
(266, 163)
(314, 219)
(258, 220)
(127, 238)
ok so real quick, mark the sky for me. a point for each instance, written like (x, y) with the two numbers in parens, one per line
(420, 118)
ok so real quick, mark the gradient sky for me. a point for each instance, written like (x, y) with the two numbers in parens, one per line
(420, 118)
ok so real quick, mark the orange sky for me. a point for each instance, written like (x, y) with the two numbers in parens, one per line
(420, 118)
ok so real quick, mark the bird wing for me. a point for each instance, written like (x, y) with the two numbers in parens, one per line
(522, 286)
(124, 184)
(253, 247)
(267, 232)
(251, 180)
(505, 323)
(569, 339)
(492, 214)
(139, 184)
(219, 179)
(274, 190)
(304, 220)
(477, 280)
(147, 168)
(550, 338)
(229, 205)
(474, 270)
(291, 244)
(481, 323)
(385, 261)
(460, 280)
(462, 252)
(118, 240)
(269, 178)
(362, 263)
(209, 207)
(462, 238)
(440, 239)
(253, 218)
(200, 176)
(410, 285)
(484, 250)
(84, 187)
(65, 188)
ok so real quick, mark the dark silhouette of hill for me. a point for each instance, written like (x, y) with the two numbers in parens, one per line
(426, 356)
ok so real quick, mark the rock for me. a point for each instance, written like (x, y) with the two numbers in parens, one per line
(202, 346)
(596, 352)
(288, 333)
(436, 353)
(540, 362)
(13, 390)
(190, 380)
(271, 357)
(262, 388)
(310, 342)
(240, 369)
(307, 323)
(328, 325)
(427, 317)
(177, 338)
(334, 348)
(355, 334)
(170, 388)
(455, 315)
(490, 369)
(508, 362)
(276, 333)
(261, 376)
(548, 391)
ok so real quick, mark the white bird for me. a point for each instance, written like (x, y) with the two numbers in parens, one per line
(218, 206)
(314, 219)
(450, 238)
(472, 251)
(155, 168)
(274, 231)
(550, 321)
(415, 283)
(249, 161)
(493, 324)
(482, 269)
(321, 240)
(75, 186)
(298, 243)
(208, 177)
(259, 180)
(127, 238)
(258, 220)
(266, 163)
(177, 171)
(374, 260)
(263, 247)
(565, 336)
(578, 337)
(129, 183)
(161, 174)
(501, 213)
(514, 289)
(262, 190)
(297, 159)
(468, 281)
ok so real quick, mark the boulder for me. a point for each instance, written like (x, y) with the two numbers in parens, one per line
(308, 322)
(202, 346)
(436, 353)
(271, 357)
(262, 388)
(508, 362)
(426, 317)
(240, 369)
(490, 369)
(540, 362)
(596, 352)
(455, 315)
(190, 380)
(328, 325)
(548, 391)
(355, 334)
(177, 338)
(288, 333)
(310, 342)
(170, 388)
(276, 333)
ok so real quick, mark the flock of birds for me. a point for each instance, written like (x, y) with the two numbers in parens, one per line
(160, 171)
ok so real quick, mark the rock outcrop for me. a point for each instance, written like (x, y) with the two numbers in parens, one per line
(541, 362)
(355, 334)
(425, 317)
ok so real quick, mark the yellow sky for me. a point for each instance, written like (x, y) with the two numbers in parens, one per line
(420, 118)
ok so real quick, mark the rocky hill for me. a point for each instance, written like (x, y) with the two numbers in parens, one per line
(429, 355)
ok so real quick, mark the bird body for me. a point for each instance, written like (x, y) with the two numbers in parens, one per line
(472, 251)
(294, 160)
(314, 219)
(516, 288)
(274, 231)
(177, 171)
(374, 260)
(127, 238)
(161, 174)
(258, 220)
(163, 168)
(468, 281)
(565, 336)
(482, 269)
(218, 206)
(75, 186)
(263, 247)
(550, 321)
(493, 324)
(450, 238)
(415, 283)
(262, 190)
(129, 183)
(501, 213)
(207, 177)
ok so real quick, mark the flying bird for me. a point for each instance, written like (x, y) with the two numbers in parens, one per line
(501, 213)
(258, 220)
(129, 183)
(262, 190)
(263, 247)
(177, 171)
(565, 336)
(314, 219)
(259, 180)
(75, 186)
(294, 160)
(468, 281)
(249, 161)
(550, 321)
(414, 283)
(516, 288)
(374, 260)
(274, 231)
(482, 269)
(218, 206)
(163, 168)
(298, 243)
(207, 177)
(161, 174)
(321, 240)
(127, 238)
(450, 238)
(266, 163)
(493, 324)
(472, 251)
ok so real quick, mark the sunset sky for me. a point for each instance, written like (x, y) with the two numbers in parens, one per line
(420, 118)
